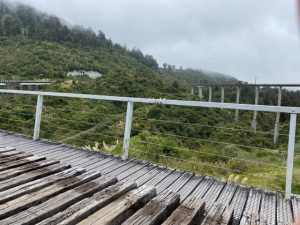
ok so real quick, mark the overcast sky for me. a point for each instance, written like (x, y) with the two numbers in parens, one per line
(244, 38)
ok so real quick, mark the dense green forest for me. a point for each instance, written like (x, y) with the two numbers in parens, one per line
(37, 46)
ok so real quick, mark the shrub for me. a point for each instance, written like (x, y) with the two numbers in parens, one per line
(237, 165)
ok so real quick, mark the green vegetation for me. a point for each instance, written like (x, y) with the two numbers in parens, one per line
(191, 76)
(122, 74)
(26, 23)
(206, 141)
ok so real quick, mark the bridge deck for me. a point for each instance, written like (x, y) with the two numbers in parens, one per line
(246, 85)
(48, 183)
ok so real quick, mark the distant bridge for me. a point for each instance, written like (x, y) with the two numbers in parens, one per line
(238, 90)
(245, 85)
(13, 84)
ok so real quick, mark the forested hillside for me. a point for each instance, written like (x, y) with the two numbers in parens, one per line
(34, 46)
(192, 76)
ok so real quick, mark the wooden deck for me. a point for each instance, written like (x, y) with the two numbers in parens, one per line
(48, 183)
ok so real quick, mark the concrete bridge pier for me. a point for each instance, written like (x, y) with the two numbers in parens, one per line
(209, 93)
(277, 123)
(254, 122)
(200, 92)
(192, 91)
(236, 117)
(222, 94)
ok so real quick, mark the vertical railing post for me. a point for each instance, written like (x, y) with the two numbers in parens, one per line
(236, 117)
(38, 117)
(290, 159)
(254, 121)
(277, 122)
(127, 132)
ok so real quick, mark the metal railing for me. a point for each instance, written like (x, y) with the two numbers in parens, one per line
(293, 111)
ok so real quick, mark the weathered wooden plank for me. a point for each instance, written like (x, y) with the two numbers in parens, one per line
(33, 146)
(35, 185)
(227, 193)
(121, 209)
(88, 206)
(148, 176)
(159, 177)
(127, 166)
(30, 176)
(76, 160)
(4, 175)
(58, 203)
(172, 182)
(268, 207)
(252, 205)
(137, 172)
(190, 212)
(89, 161)
(50, 150)
(58, 153)
(120, 163)
(111, 163)
(7, 149)
(189, 187)
(202, 188)
(12, 141)
(9, 154)
(28, 200)
(214, 214)
(226, 217)
(20, 162)
(296, 208)
(177, 183)
(13, 157)
(219, 214)
(156, 211)
(254, 219)
(284, 210)
(212, 194)
(62, 154)
(41, 150)
(102, 164)
(238, 203)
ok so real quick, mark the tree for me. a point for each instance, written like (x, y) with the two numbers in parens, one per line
(137, 53)
(101, 35)
(150, 61)
(11, 26)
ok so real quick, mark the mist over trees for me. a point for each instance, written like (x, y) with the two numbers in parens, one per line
(24, 22)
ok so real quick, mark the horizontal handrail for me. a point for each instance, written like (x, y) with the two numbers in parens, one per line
(293, 111)
(162, 101)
